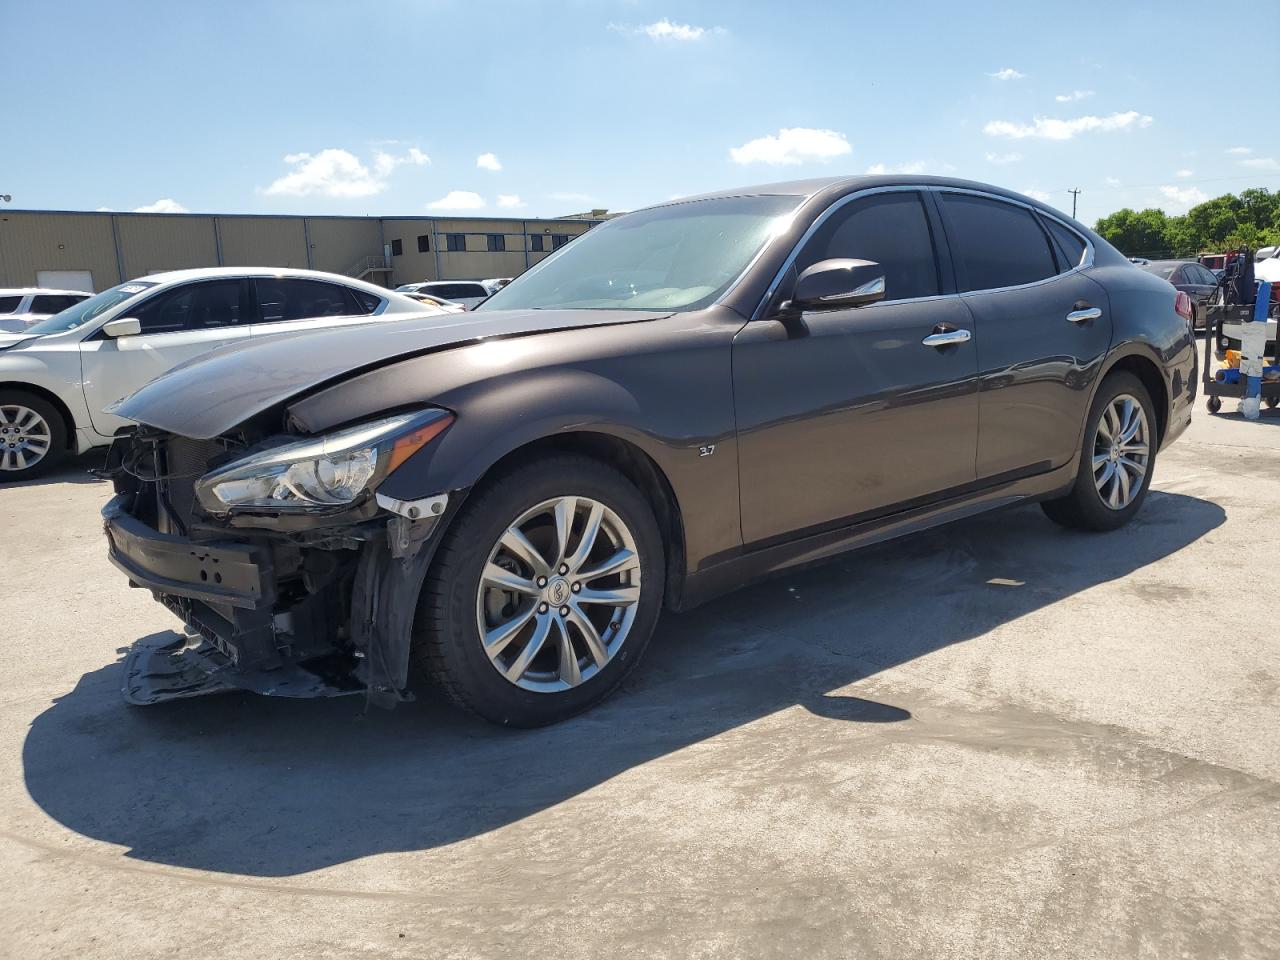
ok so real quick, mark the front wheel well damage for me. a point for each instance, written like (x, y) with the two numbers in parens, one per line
(634, 464)
(48, 397)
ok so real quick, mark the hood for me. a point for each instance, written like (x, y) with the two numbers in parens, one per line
(12, 339)
(208, 396)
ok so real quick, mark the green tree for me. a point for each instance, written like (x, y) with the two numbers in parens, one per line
(1250, 219)
(1135, 232)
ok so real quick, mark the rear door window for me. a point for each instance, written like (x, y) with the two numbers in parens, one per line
(452, 291)
(890, 229)
(194, 306)
(995, 244)
(290, 299)
(54, 303)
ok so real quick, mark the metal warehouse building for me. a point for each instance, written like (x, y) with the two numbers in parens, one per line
(93, 251)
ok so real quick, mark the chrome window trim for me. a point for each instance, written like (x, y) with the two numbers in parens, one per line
(1085, 263)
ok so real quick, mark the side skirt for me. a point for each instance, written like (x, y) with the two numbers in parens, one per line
(751, 565)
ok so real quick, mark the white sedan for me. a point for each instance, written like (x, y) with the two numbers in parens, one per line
(23, 306)
(59, 375)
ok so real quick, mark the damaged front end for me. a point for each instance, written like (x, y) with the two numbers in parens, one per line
(293, 575)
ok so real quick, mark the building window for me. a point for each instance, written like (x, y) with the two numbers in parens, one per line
(397, 247)
(455, 242)
(535, 243)
(497, 243)
(424, 243)
(558, 240)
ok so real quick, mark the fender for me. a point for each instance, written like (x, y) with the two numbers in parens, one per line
(664, 387)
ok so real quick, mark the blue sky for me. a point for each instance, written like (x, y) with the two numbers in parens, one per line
(545, 107)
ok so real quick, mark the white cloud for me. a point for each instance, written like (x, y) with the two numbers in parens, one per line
(1008, 73)
(1113, 181)
(792, 145)
(1049, 128)
(339, 173)
(668, 30)
(509, 200)
(1240, 151)
(166, 205)
(488, 161)
(1261, 163)
(457, 200)
(1186, 196)
(1037, 195)
(915, 166)
(1002, 158)
(1073, 95)
(1183, 174)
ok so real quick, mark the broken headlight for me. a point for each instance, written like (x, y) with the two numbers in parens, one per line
(325, 472)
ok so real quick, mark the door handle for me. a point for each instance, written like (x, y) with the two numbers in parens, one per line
(1084, 315)
(946, 338)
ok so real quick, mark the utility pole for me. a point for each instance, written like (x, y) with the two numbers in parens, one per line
(1074, 193)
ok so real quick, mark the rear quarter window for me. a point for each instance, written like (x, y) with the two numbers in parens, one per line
(9, 304)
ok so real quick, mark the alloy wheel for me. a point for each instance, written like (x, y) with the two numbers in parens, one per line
(1121, 451)
(558, 594)
(25, 438)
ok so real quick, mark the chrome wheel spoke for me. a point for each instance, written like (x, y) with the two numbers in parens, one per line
(590, 636)
(495, 576)
(500, 637)
(621, 562)
(570, 672)
(564, 510)
(518, 545)
(531, 649)
(587, 542)
(612, 596)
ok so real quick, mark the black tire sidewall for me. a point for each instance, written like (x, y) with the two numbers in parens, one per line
(57, 434)
(454, 583)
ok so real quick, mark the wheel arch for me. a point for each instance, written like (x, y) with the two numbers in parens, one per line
(68, 421)
(634, 463)
(1147, 369)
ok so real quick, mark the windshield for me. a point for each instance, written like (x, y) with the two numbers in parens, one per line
(1162, 270)
(86, 310)
(680, 257)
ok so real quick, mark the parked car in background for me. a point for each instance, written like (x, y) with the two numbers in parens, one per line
(495, 284)
(1193, 279)
(684, 399)
(58, 376)
(1268, 267)
(446, 305)
(469, 293)
(20, 308)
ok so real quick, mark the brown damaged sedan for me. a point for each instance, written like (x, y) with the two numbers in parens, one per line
(683, 400)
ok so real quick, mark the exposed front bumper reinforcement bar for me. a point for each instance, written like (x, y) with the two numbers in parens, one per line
(176, 667)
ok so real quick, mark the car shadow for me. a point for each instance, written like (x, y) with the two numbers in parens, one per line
(72, 470)
(263, 787)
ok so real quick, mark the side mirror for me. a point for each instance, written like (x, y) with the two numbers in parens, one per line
(122, 327)
(831, 284)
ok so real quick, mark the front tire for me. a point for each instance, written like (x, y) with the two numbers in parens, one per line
(33, 437)
(544, 593)
(1117, 459)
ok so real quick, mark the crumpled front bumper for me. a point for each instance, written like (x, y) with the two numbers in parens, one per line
(225, 593)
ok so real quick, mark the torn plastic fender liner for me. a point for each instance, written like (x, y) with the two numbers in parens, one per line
(388, 580)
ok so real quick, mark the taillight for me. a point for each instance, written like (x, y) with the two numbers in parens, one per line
(1182, 304)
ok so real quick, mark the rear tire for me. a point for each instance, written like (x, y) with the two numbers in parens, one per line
(1119, 438)
(586, 631)
(33, 436)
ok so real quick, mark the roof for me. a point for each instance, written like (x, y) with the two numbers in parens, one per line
(847, 184)
(195, 273)
(23, 291)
